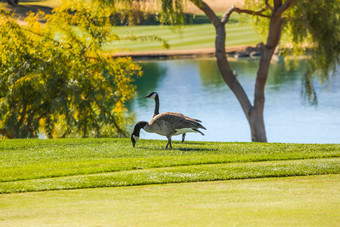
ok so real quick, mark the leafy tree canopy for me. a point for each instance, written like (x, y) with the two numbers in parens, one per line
(54, 78)
(312, 27)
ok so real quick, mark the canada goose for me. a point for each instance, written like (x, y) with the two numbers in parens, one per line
(167, 124)
(155, 96)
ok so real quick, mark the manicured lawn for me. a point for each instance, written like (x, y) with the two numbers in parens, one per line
(198, 36)
(289, 201)
(40, 165)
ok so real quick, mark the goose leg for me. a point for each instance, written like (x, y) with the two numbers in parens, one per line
(169, 143)
(183, 137)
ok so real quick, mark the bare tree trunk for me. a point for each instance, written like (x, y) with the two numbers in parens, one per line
(253, 113)
(256, 119)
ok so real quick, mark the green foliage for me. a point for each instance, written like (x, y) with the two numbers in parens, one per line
(315, 25)
(54, 78)
(312, 27)
(132, 11)
(32, 165)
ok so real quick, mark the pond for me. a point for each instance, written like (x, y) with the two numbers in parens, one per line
(195, 88)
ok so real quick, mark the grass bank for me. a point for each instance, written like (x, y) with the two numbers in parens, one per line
(190, 37)
(42, 165)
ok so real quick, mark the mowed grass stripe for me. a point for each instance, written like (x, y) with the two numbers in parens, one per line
(176, 31)
(48, 170)
(107, 155)
(291, 201)
(29, 159)
(179, 174)
(189, 37)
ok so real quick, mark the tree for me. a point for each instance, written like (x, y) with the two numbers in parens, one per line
(55, 79)
(306, 24)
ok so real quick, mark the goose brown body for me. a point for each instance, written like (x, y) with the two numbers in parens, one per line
(155, 96)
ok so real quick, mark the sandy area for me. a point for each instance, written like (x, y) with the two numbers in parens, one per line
(216, 5)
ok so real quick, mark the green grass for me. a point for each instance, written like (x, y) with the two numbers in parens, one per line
(198, 36)
(40, 165)
(290, 201)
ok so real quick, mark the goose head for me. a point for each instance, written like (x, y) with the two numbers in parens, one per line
(136, 130)
(152, 95)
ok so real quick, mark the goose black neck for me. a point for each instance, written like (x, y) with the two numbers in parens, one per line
(156, 112)
(138, 127)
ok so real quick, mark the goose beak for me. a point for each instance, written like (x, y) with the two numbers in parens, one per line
(134, 139)
(151, 95)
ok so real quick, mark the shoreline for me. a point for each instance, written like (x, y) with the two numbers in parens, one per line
(173, 54)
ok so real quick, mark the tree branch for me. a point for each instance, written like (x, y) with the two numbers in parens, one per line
(285, 6)
(51, 39)
(226, 16)
(207, 10)
(269, 6)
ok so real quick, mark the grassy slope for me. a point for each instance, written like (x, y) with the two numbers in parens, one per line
(290, 201)
(37, 165)
(191, 37)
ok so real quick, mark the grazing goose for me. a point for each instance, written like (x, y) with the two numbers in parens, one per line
(155, 96)
(167, 124)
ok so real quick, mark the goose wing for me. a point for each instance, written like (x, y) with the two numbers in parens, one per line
(177, 121)
(187, 118)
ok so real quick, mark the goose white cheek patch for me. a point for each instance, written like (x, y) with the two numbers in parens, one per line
(135, 138)
(153, 96)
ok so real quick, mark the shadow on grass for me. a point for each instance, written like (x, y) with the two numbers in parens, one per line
(194, 149)
(176, 148)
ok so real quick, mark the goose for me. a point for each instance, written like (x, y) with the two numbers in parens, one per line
(154, 95)
(167, 124)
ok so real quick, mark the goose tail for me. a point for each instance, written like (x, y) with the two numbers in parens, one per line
(200, 126)
(198, 131)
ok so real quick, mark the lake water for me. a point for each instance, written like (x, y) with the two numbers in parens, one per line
(195, 88)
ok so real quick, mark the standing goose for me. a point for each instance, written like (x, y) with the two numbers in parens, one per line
(155, 96)
(167, 124)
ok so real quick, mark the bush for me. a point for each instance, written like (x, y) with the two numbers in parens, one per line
(54, 78)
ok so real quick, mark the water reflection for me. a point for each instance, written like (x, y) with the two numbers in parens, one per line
(195, 88)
